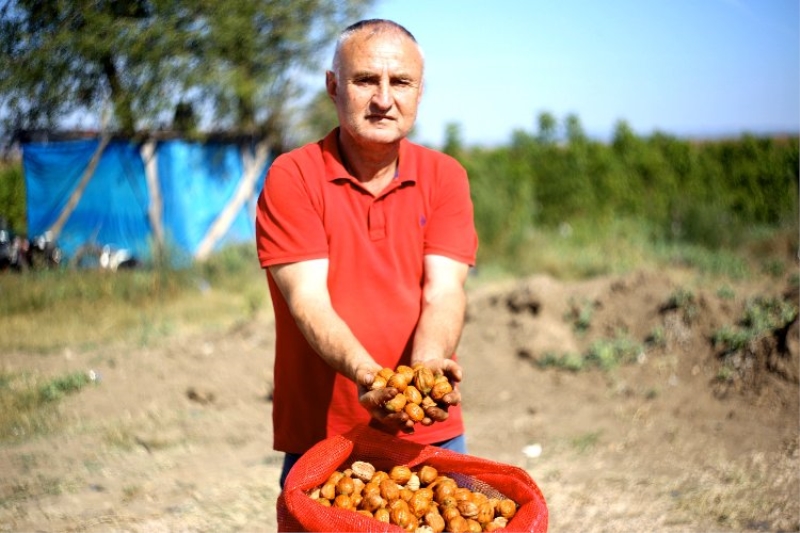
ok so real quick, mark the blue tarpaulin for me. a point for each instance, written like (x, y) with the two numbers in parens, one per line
(196, 181)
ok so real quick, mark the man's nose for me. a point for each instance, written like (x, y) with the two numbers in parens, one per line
(382, 98)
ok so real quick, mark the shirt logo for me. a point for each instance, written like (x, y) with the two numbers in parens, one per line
(423, 220)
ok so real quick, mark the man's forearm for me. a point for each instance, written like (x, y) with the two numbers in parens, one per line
(440, 325)
(332, 339)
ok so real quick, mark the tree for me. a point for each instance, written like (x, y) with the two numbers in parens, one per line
(318, 117)
(453, 142)
(139, 59)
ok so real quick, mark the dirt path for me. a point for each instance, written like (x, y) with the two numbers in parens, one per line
(177, 437)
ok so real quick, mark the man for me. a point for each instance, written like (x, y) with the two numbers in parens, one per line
(367, 240)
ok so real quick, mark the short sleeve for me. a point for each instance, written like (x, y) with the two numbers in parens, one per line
(451, 226)
(288, 225)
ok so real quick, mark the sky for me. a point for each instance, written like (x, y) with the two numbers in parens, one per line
(683, 67)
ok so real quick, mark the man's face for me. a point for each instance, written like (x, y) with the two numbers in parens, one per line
(379, 86)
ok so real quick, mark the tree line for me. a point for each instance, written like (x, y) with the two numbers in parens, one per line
(136, 66)
(686, 190)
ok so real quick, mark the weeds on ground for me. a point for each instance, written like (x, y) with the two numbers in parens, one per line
(604, 354)
(28, 404)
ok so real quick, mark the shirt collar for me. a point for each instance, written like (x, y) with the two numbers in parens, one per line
(335, 169)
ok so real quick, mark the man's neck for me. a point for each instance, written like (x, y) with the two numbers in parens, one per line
(372, 165)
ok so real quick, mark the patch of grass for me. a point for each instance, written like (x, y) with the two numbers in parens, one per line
(762, 316)
(27, 404)
(92, 308)
(604, 354)
(580, 315)
(611, 353)
(682, 300)
(567, 361)
(726, 292)
(657, 337)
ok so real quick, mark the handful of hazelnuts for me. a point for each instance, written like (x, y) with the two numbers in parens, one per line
(418, 386)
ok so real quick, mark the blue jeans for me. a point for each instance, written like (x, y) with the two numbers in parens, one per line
(456, 444)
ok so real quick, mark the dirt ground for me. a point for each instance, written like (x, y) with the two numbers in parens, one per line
(176, 436)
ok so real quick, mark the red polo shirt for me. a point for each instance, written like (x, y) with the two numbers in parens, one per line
(311, 208)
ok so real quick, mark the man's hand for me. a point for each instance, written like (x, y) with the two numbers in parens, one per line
(374, 400)
(453, 372)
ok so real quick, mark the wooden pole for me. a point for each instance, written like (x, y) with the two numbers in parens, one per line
(58, 225)
(156, 206)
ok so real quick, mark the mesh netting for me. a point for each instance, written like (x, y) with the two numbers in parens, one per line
(296, 511)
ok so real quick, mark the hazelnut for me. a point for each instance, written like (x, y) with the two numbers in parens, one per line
(389, 490)
(345, 486)
(371, 488)
(400, 474)
(414, 412)
(407, 371)
(398, 381)
(379, 476)
(485, 513)
(473, 526)
(363, 470)
(440, 389)
(372, 502)
(434, 521)
(406, 494)
(423, 379)
(427, 474)
(463, 494)
(328, 490)
(396, 404)
(507, 508)
(425, 492)
(500, 522)
(413, 394)
(450, 512)
(385, 373)
(444, 489)
(379, 382)
(335, 477)
(343, 501)
(418, 504)
(467, 509)
(382, 515)
(413, 482)
(457, 524)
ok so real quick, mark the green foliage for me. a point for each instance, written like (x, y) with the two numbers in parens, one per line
(580, 315)
(12, 197)
(683, 300)
(605, 354)
(705, 194)
(762, 316)
(26, 403)
(237, 60)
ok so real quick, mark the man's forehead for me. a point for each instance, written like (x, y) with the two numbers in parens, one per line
(375, 53)
(384, 46)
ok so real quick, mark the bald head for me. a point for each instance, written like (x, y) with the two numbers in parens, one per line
(367, 29)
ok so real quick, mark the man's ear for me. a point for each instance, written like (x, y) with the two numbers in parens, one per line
(330, 84)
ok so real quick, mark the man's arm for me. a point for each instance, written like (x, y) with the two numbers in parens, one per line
(305, 289)
(441, 320)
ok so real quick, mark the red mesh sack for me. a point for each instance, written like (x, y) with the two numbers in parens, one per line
(296, 511)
